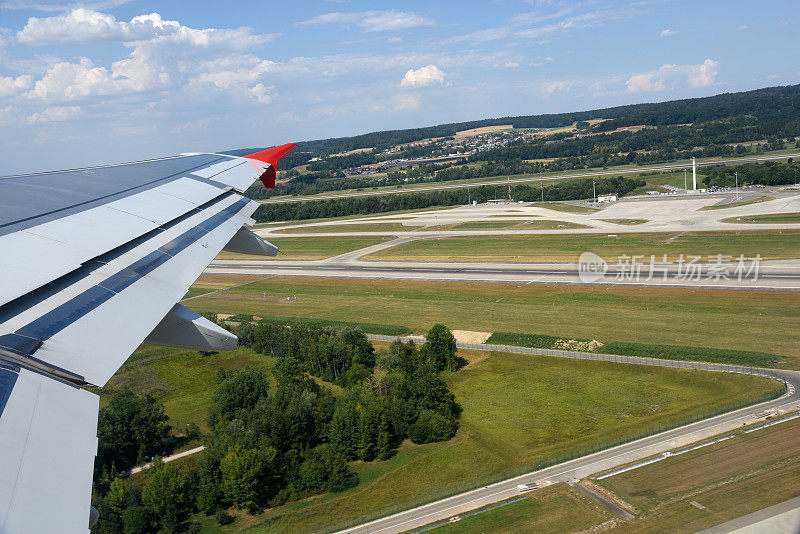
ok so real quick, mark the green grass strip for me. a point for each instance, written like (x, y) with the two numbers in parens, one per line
(369, 328)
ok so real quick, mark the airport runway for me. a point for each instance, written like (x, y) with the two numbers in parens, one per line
(779, 275)
(593, 463)
(505, 181)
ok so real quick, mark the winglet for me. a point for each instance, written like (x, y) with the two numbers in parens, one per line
(271, 156)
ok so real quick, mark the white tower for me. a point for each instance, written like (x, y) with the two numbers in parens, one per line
(694, 175)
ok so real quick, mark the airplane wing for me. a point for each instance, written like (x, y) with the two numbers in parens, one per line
(92, 263)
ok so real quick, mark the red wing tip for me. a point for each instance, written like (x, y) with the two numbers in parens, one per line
(272, 155)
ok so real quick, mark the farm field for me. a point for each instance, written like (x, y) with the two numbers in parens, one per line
(567, 248)
(753, 320)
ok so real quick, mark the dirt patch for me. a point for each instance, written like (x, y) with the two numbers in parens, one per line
(469, 336)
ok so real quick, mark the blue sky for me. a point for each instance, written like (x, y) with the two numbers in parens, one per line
(109, 81)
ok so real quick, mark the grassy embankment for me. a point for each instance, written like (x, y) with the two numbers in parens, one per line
(749, 321)
(518, 410)
(769, 244)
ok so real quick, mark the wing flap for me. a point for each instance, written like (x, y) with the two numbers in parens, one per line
(47, 438)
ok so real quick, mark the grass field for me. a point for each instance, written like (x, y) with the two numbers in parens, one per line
(737, 203)
(524, 248)
(551, 510)
(628, 222)
(353, 227)
(730, 479)
(518, 410)
(560, 206)
(181, 379)
(536, 224)
(766, 218)
(752, 320)
(312, 248)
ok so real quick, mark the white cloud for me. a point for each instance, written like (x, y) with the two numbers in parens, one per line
(428, 75)
(556, 86)
(373, 21)
(55, 114)
(743, 27)
(262, 94)
(10, 85)
(670, 76)
(668, 33)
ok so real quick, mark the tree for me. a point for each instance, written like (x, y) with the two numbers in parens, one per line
(431, 427)
(136, 520)
(128, 430)
(343, 432)
(164, 494)
(238, 390)
(439, 348)
(246, 475)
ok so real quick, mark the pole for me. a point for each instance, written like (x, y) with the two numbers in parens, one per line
(737, 184)
(594, 191)
(694, 174)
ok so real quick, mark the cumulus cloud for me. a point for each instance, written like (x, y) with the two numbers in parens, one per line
(556, 86)
(668, 33)
(55, 114)
(82, 25)
(164, 55)
(671, 76)
(10, 85)
(428, 75)
(373, 21)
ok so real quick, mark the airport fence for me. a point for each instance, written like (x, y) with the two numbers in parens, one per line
(578, 452)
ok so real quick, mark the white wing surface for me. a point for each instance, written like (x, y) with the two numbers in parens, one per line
(93, 263)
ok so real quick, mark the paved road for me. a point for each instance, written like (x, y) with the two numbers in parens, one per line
(784, 275)
(504, 181)
(600, 461)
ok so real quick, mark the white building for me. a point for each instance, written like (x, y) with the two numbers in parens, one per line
(606, 198)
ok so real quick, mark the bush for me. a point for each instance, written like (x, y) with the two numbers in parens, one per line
(223, 518)
(705, 354)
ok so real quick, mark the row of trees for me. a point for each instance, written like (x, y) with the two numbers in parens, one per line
(279, 435)
(768, 173)
(562, 190)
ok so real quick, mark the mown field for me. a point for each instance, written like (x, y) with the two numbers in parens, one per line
(517, 410)
(524, 248)
(352, 227)
(552, 510)
(730, 479)
(536, 224)
(312, 248)
(761, 321)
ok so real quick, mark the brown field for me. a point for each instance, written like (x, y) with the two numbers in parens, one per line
(485, 129)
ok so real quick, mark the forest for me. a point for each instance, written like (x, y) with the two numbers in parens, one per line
(278, 435)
